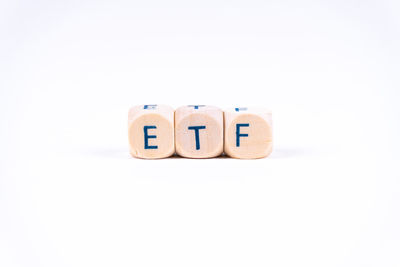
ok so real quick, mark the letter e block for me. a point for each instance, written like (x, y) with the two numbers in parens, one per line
(199, 131)
(248, 133)
(151, 131)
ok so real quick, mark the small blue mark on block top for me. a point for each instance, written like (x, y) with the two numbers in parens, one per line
(196, 134)
(147, 136)
(150, 107)
(196, 106)
(238, 134)
(240, 109)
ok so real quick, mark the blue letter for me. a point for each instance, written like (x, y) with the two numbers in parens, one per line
(238, 134)
(149, 106)
(196, 106)
(147, 137)
(196, 133)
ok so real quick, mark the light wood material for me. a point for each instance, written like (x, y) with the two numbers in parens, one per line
(248, 133)
(199, 131)
(151, 131)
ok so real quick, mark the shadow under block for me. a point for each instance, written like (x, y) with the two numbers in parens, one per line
(151, 131)
(199, 131)
(248, 133)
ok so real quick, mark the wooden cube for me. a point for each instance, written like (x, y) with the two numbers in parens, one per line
(151, 131)
(199, 131)
(248, 133)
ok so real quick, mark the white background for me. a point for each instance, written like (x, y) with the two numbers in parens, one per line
(71, 195)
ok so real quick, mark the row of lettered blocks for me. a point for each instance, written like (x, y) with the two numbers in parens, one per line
(199, 131)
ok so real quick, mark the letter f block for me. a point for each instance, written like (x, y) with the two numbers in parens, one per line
(248, 133)
(199, 131)
(151, 131)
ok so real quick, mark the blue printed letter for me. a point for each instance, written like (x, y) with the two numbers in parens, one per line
(196, 106)
(238, 134)
(149, 106)
(196, 133)
(147, 136)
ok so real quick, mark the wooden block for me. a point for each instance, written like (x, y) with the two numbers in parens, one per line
(199, 131)
(248, 133)
(151, 131)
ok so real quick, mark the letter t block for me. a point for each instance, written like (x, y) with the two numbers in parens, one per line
(199, 131)
(248, 133)
(151, 131)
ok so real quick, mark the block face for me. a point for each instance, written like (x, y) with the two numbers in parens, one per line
(248, 133)
(199, 131)
(151, 131)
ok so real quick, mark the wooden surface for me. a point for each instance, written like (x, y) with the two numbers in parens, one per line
(207, 123)
(248, 133)
(151, 131)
